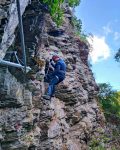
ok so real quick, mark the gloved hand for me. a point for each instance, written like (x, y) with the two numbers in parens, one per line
(46, 78)
(52, 63)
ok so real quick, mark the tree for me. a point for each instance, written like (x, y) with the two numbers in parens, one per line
(105, 89)
(117, 56)
(109, 100)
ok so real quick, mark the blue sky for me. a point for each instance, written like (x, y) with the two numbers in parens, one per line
(102, 19)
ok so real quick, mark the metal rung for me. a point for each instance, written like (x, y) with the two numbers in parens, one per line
(8, 63)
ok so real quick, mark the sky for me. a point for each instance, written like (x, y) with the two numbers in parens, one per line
(101, 18)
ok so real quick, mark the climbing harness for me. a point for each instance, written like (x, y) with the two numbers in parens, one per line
(47, 67)
(48, 70)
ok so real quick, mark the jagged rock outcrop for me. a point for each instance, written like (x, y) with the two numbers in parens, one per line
(27, 121)
(9, 22)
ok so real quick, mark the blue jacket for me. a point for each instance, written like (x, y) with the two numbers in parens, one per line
(59, 69)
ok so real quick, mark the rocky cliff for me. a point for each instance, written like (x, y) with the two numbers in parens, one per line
(27, 121)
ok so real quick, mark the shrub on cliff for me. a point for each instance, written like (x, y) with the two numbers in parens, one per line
(117, 55)
(110, 101)
(55, 7)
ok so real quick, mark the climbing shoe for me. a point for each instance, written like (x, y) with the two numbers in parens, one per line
(47, 97)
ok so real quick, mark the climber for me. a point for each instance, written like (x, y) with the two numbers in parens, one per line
(57, 76)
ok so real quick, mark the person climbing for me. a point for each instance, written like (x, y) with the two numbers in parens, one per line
(57, 76)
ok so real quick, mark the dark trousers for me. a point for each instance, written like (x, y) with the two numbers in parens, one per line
(54, 81)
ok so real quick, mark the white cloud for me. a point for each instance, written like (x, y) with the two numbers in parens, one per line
(110, 29)
(100, 49)
(116, 36)
(107, 29)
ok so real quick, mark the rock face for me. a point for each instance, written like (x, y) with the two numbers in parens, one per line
(28, 122)
(9, 24)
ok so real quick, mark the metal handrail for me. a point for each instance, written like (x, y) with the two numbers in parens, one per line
(21, 34)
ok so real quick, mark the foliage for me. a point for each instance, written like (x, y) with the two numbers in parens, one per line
(110, 103)
(73, 3)
(98, 143)
(109, 100)
(55, 7)
(105, 139)
(117, 56)
(105, 89)
(77, 23)
(83, 37)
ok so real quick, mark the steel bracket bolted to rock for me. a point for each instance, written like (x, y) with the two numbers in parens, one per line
(8, 63)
